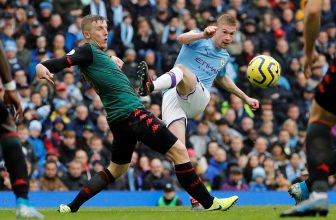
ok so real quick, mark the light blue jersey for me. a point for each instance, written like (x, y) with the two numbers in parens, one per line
(204, 60)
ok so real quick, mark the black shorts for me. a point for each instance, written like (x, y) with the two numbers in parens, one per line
(142, 126)
(325, 93)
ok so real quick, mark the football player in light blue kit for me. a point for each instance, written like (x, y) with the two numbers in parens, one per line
(202, 59)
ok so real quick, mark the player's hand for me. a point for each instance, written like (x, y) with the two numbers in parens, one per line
(11, 99)
(118, 61)
(43, 73)
(209, 31)
(309, 60)
(253, 103)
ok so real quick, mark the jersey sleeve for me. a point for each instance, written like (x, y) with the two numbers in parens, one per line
(81, 56)
(194, 43)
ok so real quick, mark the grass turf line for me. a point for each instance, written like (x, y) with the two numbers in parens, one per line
(166, 213)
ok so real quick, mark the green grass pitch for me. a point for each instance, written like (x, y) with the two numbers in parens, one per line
(166, 213)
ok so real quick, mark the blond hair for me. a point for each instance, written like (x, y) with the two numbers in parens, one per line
(226, 19)
(87, 21)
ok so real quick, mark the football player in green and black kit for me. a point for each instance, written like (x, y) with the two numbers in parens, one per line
(129, 121)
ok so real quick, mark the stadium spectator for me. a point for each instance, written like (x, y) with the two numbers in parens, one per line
(211, 149)
(258, 178)
(22, 52)
(74, 178)
(235, 151)
(102, 126)
(82, 119)
(130, 65)
(35, 128)
(201, 138)
(236, 181)
(269, 167)
(161, 19)
(278, 155)
(96, 7)
(260, 148)
(58, 45)
(155, 180)
(67, 148)
(170, 50)
(134, 178)
(292, 128)
(68, 10)
(82, 157)
(50, 181)
(145, 39)
(282, 184)
(36, 30)
(292, 170)
(246, 55)
(98, 151)
(253, 162)
(27, 148)
(199, 163)
(217, 164)
(169, 197)
(124, 35)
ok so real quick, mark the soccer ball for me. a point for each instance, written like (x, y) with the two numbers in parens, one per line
(263, 71)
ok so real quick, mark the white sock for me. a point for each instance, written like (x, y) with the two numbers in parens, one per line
(169, 79)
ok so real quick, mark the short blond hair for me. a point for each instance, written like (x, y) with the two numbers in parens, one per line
(226, 19)
(87, 21)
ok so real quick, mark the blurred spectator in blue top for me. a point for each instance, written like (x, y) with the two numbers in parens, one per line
(258, 178)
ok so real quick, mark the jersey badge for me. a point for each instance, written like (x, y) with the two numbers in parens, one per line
(223, 62)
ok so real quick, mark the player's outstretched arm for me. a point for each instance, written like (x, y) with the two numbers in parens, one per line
(4, 67)
(43, 72)
(229, 86)
(192, 36)
(311, 29)
(79, 56)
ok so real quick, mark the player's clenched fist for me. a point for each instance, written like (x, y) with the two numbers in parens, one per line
(210, 31)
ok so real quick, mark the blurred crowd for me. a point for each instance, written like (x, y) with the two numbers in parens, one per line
(65, 135)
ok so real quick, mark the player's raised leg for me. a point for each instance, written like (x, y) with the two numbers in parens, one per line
(179, 76)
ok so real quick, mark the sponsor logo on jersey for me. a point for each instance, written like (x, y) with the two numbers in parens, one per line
(206, 67)
(71, 52)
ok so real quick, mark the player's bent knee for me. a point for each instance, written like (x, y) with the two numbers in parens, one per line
(117, 170)
(178, 153)
(319, 114)
(182, 67)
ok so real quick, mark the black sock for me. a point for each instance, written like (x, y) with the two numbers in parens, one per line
(96, 184)
(15, 164)
(309, 181)
(193, 184)
(319, 156)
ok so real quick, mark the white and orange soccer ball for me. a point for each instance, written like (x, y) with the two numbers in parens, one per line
(263, 71)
